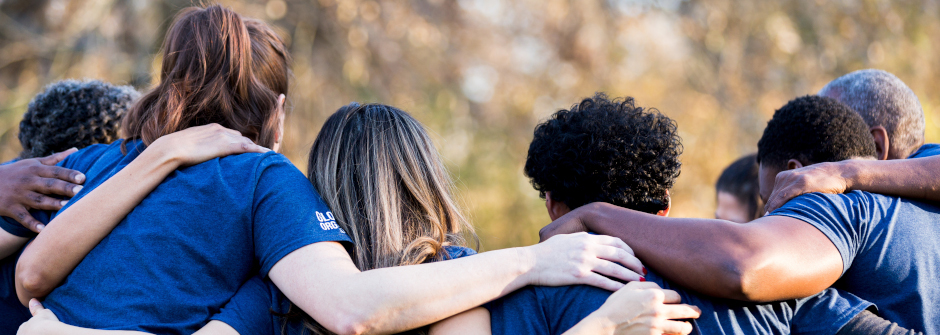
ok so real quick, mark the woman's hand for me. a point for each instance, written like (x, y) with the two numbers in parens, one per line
(199, 144)
(42, 322)
(581, 258)
(639, 309)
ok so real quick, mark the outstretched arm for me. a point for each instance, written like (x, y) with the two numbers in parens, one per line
(322, 280)
(772, 258)
(916, 178)
(63, 244)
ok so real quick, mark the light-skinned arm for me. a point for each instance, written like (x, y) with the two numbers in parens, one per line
(322, 280)
(916, 178)
(44, 322)
(772, 258)
(56, 251)
(639, 308)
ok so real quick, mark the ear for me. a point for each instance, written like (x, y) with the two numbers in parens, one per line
(882, 144)
(665, 212)
(794, 164)
(556, 209)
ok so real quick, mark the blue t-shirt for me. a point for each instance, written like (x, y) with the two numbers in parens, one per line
(184, 251)
(12, 312)
(542, 310)
(890, 250)
(926, 150)
(259, 307)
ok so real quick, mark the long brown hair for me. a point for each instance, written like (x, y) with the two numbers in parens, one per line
(207, 77)
(386, 184)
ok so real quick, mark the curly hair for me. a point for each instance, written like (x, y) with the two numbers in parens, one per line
(72, 113)
(606, 150)
(814, 129)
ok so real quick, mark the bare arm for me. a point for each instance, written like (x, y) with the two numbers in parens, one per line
(10, 243)
(62, 245)
(917, 178)
(772, 258)
(322, 280)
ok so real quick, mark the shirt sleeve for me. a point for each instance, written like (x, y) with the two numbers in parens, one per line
(249, 311)
(518, 313)
(826, 313)
(288, 213)
(843, 218)
(926, 150)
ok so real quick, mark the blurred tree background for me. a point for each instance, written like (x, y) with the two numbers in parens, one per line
(481, 73)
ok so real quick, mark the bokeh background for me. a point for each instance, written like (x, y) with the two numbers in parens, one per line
(481, 73)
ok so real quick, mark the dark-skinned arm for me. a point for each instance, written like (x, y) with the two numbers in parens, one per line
(772, 258)
(916, 178)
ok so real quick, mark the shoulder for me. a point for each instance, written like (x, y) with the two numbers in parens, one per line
(455, 252)
(926, 150)
(83, 159)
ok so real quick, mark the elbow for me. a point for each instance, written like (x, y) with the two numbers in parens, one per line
(739, 280)
(348, 324)
(31, 284)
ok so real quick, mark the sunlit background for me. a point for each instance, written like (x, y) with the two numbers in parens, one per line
(481, 73)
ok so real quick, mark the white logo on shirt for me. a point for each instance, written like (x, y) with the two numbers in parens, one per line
(327, 222)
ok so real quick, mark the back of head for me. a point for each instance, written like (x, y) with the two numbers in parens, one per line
(387, 186)
(269, 55)
(814, 129)
(72, 113)
(740, 179)
(207, 77)
(606, 150)
(882, 100)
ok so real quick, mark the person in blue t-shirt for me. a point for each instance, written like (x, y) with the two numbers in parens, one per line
(182, 250)
(65, 116)
(879, 248)
(612, 151)
(393, 145)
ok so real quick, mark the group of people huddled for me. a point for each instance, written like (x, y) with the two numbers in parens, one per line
(171, 212)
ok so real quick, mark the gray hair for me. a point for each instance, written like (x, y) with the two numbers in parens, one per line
(882, 100)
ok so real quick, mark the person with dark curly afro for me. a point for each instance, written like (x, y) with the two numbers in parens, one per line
(605, 150)
(73, 114)
(878, 247)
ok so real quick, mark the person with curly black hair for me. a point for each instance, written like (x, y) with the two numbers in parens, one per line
(878, 247)
(605, 150)
(74, 114)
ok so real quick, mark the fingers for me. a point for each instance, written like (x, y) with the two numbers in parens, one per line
(35, 306)
(675, 327)
(621, 256)
(21, 215)
(60, 173)
(680, 311)
(614, 270)
(671, 297)
(599, 281)
(43, 202)
(54, 159)
(612, 241)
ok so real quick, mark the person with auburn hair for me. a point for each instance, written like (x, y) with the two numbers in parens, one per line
(178, 254)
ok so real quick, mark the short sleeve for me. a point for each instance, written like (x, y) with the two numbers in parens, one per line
(841, 217)
(287, 213)
(455, 252)
(518, 313)
(249, 311)
(926, 150)
(826, 313)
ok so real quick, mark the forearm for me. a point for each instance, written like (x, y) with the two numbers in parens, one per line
(762, 261)
(917, 178)
(10, 243)
(391, 300)
(79, 228)
(592, 325)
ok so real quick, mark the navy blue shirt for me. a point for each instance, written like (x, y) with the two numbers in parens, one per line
(12, 312)
(890, 250)
(926, 150)
(258, 307)
(541, 310)
(184, 251)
